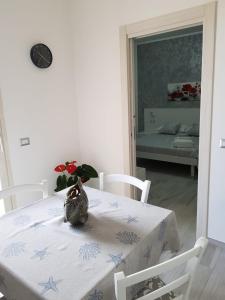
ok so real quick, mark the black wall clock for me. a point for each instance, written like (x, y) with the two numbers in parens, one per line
(41, 56)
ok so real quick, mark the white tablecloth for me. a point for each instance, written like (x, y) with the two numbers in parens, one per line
(41, 257)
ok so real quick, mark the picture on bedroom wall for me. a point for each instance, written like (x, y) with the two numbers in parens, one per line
(187, 91)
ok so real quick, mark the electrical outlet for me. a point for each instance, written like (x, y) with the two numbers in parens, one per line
(25, 141)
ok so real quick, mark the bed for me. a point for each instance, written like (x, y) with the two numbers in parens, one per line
(156, 146)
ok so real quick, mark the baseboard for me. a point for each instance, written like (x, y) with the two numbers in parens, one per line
(217, 243)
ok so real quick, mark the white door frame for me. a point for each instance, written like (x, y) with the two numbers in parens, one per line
(201, 15)
(6, 174)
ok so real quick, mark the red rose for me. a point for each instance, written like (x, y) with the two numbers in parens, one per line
(60, 168)
(173, 95)
(187, 87)
(71, 168)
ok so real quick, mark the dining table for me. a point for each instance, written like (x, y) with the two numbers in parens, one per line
(42, 257)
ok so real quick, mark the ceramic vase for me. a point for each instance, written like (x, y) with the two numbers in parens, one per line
(76, 205)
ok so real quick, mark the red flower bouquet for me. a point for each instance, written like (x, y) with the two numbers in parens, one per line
(71, 173)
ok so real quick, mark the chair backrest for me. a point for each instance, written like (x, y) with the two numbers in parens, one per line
(191, 258)
(142, 185)
(10, 191)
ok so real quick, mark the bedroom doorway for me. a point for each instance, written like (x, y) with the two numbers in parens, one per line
(167, 71)
(201, 17)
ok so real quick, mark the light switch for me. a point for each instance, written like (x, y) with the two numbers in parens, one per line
(222, 143)
(25, 141)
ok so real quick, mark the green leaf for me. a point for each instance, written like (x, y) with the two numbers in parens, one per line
(70, 181)
(64, 181)
(88, 171)
(79, 171)
(75, 179)
(61, 183)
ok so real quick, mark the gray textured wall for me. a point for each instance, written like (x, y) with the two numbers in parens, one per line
(162, 62)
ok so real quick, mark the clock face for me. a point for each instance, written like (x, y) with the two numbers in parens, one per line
(41, 56)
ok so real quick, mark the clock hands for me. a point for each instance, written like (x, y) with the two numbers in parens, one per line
(43, 57)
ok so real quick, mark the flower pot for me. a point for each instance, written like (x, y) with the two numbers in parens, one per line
(76, 205)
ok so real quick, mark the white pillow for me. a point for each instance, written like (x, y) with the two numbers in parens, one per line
(169, 128)
(184, 128)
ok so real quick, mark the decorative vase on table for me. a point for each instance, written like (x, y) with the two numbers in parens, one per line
(76, 205)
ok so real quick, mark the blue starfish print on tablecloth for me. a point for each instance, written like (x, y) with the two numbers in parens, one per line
(131, 219)
(56, 211)
(14, 249)
(162, 230)
(96, 295)
(50, 285)
(147, 253)
(114, 204)
(41, 254)
(94, 203)
(127, 237)
(116, 259)
(22, 220)
(88, 251)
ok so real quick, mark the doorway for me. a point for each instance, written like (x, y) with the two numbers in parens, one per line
(167, 70)
(204, 16)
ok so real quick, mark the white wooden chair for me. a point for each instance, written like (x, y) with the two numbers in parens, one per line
(142, 185)
(10, 191)
(191, 258)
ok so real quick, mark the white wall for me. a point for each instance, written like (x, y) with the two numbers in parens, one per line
(98, 91)
(37, 103)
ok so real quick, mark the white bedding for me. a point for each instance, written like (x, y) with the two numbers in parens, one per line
(164, 144)
(183, 142)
